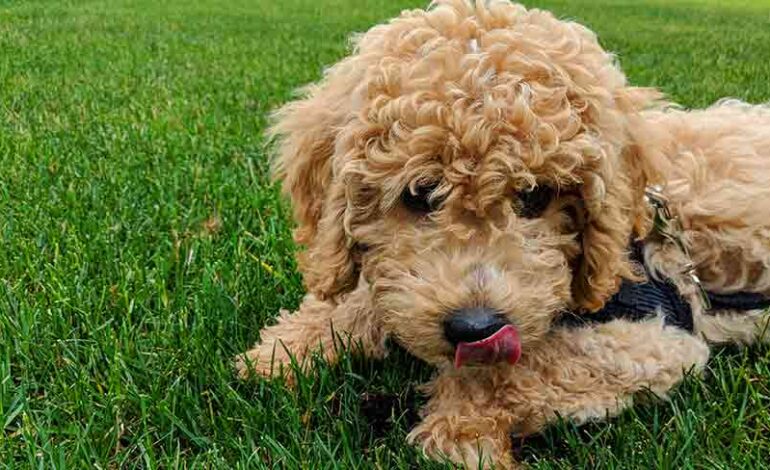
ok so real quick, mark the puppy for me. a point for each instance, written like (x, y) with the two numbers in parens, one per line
(471, 180)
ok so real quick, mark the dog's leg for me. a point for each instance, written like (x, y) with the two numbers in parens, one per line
(317, 326)
(579, 374)
(743, 328)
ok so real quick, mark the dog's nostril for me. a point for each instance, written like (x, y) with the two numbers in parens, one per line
(467, 325)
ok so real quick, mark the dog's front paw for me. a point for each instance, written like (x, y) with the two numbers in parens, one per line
(264, 360)
(282, 346)
(463, 442)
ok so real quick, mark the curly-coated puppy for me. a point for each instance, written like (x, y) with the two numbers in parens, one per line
(473, 174)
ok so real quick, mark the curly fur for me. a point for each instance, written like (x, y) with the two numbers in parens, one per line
(483, 101)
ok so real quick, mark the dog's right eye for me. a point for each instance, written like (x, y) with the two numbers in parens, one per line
(419, 200)
(534, 201)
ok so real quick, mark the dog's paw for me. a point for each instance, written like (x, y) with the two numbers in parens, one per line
(446, 439)
(282, 347)
(264, 360)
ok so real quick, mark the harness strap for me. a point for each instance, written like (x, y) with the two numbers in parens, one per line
(738, 301)
(638, 301)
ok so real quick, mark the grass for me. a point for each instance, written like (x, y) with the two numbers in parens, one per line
(142, 245)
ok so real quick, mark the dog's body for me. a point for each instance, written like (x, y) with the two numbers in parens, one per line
(417, 171)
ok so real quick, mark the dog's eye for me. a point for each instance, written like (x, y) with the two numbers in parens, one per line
(419, 200)
(533, 201)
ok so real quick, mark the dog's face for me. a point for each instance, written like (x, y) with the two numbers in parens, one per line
(450, 274)
(476, 167)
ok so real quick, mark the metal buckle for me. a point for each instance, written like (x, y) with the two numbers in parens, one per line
(670, 227)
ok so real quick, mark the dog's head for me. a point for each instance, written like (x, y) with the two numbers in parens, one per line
(476, 165)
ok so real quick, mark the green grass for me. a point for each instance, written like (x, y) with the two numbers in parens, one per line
(142, 245)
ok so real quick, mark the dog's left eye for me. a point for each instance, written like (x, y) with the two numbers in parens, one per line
(534, 201)
(419, 200)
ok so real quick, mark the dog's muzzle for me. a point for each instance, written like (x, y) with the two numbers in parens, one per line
(482, 336)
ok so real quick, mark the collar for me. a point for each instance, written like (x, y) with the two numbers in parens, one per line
(638, 301)
(668, 226)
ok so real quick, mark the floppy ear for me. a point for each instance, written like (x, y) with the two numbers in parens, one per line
(610, 225)
(613, 195)
(307, 134)
(331, 265)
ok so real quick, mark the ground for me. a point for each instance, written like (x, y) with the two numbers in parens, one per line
(142, 245)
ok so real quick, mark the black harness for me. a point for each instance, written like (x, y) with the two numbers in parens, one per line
(638, 301)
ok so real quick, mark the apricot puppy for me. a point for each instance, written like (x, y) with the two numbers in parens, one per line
(473, 174)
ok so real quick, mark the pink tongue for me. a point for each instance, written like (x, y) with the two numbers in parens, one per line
(504, 344)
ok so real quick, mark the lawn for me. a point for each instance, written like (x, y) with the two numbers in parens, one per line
(143, 245)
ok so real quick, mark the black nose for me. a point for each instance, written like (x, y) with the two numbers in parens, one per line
(467, 325)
